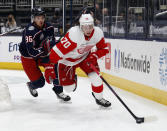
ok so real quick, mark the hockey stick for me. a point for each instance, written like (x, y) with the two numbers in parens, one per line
(138, 119)
(161, 13)
(10, 31)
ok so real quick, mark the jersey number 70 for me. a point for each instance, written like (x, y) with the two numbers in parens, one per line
(66, 45)
(65, 42)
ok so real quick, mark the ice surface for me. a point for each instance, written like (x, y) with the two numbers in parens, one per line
(46, 113)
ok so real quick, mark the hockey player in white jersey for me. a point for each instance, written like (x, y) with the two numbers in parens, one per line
(74, 50)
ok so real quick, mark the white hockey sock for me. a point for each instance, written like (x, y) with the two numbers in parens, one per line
(98, 95)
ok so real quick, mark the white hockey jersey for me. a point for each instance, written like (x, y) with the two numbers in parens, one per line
(74, 47)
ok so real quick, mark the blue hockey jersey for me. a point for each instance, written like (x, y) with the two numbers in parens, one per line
(32, 38)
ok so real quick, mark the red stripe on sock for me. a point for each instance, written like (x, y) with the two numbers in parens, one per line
(97, 89)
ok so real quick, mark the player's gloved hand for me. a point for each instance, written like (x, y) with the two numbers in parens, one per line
(46, 45)
(91, 59)
(49, 73)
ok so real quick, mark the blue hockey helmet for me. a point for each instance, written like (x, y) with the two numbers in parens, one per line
(37, 11)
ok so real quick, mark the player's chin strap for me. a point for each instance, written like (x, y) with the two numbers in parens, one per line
(138, 119)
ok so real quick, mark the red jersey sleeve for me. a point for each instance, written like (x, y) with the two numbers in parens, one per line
(101, 44)
(66, 44)
(102, 48)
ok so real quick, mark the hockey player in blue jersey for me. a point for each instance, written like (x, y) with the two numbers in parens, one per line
(37, 40)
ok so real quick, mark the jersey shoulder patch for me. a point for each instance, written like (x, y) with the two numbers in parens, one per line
(31, 28)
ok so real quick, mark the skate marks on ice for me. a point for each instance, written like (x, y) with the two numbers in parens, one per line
(83, 112)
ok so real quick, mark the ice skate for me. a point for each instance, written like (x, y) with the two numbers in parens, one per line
(102, 102)
(33, 91)
(62, 96)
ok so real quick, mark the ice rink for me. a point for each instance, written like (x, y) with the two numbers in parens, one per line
(47, 113)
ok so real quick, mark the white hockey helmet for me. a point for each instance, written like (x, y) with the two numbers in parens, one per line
(86, 19)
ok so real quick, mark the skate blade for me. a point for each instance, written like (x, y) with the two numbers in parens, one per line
(65, 102)
(104, 108)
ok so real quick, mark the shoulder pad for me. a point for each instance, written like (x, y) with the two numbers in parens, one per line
(75, 33)
(99, 31)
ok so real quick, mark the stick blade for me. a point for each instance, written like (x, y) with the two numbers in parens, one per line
(147, 119)
(140, 120)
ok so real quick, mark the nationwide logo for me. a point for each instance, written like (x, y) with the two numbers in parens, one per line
(163, 66)
(127, 61)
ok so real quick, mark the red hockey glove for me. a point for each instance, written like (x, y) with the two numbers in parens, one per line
(54, 57)
(50, 74)
(92, 58)
(102, 52)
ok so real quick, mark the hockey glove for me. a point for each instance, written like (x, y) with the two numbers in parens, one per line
(46, 45)
(50, 74)
(91, 59)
